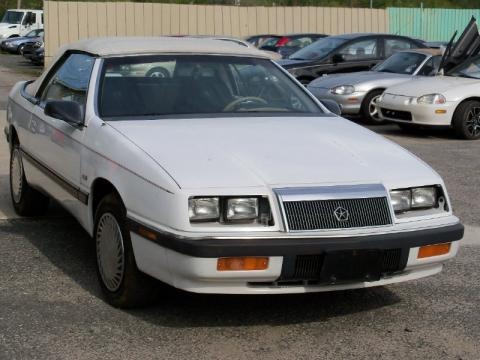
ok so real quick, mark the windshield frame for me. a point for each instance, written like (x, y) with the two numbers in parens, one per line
(462, 64)
(100, 76)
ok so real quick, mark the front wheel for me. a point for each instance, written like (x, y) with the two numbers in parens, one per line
(26, 200)
(466, 120)
(369, 109)
(123, 284)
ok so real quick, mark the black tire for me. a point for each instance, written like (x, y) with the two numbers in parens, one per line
(131, 288)
(466, 120)
(20, 49)
(26, 200)
(158, 71)
(366, 109)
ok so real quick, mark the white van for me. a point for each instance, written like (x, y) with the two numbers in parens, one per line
(18, 22)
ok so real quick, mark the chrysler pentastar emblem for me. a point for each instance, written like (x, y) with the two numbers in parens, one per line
(341, 214)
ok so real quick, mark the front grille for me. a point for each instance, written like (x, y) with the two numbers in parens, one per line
(321, 214)
(396, 114)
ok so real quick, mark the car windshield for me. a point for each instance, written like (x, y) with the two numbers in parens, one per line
(170, 85)
(468, 69)
(318, 49)
(401, 63)
(12, 17)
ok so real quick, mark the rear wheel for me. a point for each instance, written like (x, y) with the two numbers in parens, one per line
(466, 120)
(26, 200)
(123, 284)
(369, 109)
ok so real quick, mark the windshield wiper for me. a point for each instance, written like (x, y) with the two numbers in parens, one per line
(295, 58)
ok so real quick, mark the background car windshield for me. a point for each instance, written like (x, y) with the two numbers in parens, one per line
(318, 49)
(198, 84)
(401, 63)
(470, 69)
(12, 17)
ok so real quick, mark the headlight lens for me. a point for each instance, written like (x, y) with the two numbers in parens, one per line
(432, 99)
(401, 200)
(414, 199)
(343, 90)
(203, 209)
(242, 209)
(424, 197)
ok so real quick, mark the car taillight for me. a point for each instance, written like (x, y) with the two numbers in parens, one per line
(282, 41)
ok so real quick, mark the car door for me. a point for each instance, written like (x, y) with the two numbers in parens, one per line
(54, 144)
(356, 55)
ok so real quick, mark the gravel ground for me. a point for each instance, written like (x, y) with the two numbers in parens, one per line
(51, 306)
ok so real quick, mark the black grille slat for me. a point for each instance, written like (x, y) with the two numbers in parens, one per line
(319, 214)
(391, 260)
(397, 114)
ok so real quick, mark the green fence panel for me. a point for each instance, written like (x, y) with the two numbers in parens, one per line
(429, 24)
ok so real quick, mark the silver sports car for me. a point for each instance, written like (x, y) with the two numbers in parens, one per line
(357, 92)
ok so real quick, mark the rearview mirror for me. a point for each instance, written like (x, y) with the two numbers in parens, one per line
(68, 111)
(332, 106)
(338, 58)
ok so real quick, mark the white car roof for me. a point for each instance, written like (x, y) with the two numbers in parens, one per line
(115, 46)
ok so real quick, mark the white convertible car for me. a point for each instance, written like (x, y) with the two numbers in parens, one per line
(226, 176)
(450, 101)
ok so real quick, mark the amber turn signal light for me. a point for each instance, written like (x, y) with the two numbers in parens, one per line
(242, 263)
(433, 250)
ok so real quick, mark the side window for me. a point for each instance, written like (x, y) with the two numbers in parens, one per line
(302, 42)
(70, 82)
(393, 45)
(431, 66)
(360, 50)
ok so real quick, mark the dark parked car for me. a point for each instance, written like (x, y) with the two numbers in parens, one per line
(30, 51)
(16, 44)
(289, 44)
(259, 40)
(345, 53)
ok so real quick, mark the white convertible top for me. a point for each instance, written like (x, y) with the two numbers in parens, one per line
(114, 46)
(118, 46)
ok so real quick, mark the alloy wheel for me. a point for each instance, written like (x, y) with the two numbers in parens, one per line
(372, 108)
(472, 123)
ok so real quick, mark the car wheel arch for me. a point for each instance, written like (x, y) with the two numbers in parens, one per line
(100, 188)
(472, 98)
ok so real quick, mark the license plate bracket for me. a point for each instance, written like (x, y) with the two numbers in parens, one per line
(352, 265)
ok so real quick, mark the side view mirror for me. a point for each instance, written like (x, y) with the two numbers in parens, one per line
(338, 58)
(68, 111)
(332, 106)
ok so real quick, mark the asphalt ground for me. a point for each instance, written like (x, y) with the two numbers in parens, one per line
(51, 305)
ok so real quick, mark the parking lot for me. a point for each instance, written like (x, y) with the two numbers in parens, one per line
(51, 305)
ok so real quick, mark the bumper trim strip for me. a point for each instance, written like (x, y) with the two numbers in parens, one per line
(212, 247)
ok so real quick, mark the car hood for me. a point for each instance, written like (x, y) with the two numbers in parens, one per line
(330, 81)
(284, 151)
(419, 86)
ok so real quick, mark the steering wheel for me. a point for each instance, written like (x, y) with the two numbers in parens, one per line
(230, 106)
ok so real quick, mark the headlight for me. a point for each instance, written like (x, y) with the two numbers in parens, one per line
(342, 90)
(414, 198)
(401, 200)
(424, 197)
(228, 210)
(242, 209)
(432, 99)
(204, 209)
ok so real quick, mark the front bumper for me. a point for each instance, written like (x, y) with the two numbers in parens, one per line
(350, 104)
(421, 114)
(191, 264)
